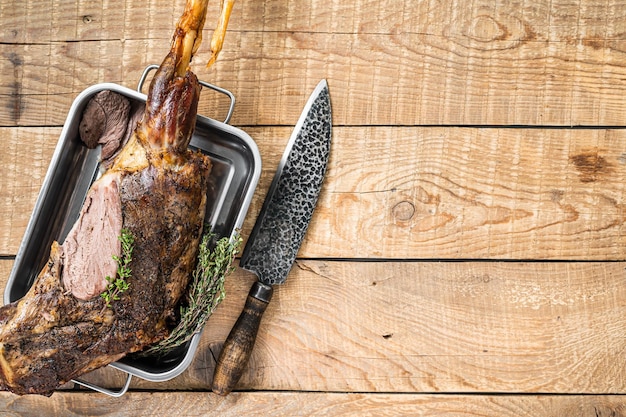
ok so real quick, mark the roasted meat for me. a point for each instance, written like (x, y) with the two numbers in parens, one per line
(154, 190)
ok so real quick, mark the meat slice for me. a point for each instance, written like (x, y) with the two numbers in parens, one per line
(96, 232)
(109, 119)
(104, 117)
(156, 189)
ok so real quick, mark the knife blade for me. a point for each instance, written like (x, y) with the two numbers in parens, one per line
(279, 230)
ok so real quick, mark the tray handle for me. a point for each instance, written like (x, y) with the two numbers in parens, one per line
(106, 391)
(230, 95)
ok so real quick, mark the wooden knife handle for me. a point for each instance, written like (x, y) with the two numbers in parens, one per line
(239, 343)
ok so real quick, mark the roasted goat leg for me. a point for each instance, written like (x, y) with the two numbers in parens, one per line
(155, 192)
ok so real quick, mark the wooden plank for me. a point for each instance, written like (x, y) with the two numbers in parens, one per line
(474, 327)
(559, 20)
(5, 270)
(434, 327)
(408, 192)
(195, 404)
(547, 63)
(472, 193)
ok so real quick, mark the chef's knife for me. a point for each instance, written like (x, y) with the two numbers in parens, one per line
(278, 232)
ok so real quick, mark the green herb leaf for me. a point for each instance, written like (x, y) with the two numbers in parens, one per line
(118, 284)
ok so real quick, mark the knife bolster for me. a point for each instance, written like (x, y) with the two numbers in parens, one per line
(261, 291)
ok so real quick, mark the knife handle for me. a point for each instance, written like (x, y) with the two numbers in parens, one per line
(240, 341)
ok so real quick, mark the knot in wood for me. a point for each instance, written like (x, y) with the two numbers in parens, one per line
(591, 166)
(485, 28)
(403, 211)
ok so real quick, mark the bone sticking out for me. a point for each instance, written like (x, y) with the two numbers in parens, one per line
(188, 34)
(226, 7)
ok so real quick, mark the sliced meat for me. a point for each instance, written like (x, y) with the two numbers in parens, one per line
(105, 121)
(109, 119)
(89, 247)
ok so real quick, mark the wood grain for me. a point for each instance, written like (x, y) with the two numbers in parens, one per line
(388, 63)
(425, 327)
(430, 161)
(472, 193)
(5, 270)
(418, 192)
(279, 404)
(434, 327)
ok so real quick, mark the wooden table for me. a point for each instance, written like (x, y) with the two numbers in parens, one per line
(466, 254)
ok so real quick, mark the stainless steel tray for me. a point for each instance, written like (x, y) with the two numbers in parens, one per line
(234, 177)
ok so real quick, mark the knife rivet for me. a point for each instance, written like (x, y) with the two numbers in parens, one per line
(403, 211)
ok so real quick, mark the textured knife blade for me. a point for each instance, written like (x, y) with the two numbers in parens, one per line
(284, 218)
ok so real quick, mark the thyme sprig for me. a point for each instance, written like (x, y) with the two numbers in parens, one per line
(206, 290)
(119, 284)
